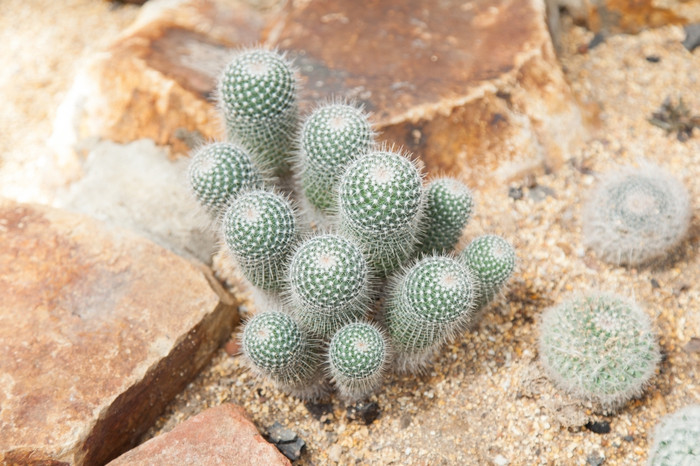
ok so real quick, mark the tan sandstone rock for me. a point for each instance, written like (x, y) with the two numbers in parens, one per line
(632, 16)
(474, 87)
(223, 435)
(157, 79)
(99, 329)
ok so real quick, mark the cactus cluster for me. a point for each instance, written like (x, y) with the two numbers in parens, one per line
(599, 347)
(380, 222)
(677, 439)
(636, 215)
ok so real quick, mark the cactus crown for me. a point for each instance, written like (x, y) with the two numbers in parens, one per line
(599, 347)
(332, 137)
(448, 208)
(380, 193)
(677, 439)
(437, 290)
(491, 258)
(328, 271)
(258, 86)
(272, 340)
(219, 171)
(636, 215)
(357, 351)
(258, 226)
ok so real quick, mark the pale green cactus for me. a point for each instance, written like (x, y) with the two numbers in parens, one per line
(598, 347)
(380, 205)
(329, 284)
(218, 172)
(448, 209)
(332, 137)
(677, 439)
(358, 355)
(428, 305)
(258, 96)
(491, 259)
(636, 215)
(261, 232)
(276, 346)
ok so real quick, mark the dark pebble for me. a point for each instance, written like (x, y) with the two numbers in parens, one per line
(595, 460)
(287, 441)
(596, 41)
(653, 59)
(318, 410)
(628, 438)
(599, 427)
(365, 412)
(655, 283)
(515, 193)
(405, 421)
(692, 36)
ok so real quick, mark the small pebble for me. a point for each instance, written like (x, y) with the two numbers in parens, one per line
(515, 193)
(501, 460)
(365, 412)
(653, 58)
(599, 427)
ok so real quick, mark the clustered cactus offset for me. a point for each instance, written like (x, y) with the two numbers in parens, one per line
(379, 221)
(599, 347)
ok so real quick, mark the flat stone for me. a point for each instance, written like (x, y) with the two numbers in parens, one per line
(136, 186)
(222, 435)
(474, 88)
(99, 329)
(157, 80)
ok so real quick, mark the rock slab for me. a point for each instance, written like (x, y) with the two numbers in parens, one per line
(223, 435)
(99, 329)
(474, 88)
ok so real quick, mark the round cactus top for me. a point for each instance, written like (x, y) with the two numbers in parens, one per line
(380, 193)
(259, 225)
(636, 214)
(677, 438)
(219, 171)
(437, 289)
(272, 340)
(491, 258)
(328, 271)
(335, 135)
(599, 347)
(257, 86)
(450, 202)
(358, 350)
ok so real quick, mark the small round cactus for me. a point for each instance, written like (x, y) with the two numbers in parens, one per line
(677, 439)
(598, 347)
(428, 305)
(332, 137)
(218, 172)
(261, 231)
(276, 346)
(636, 215)
(448, 208)
(357, 358)
(329, 284)
(381, 204)
(491, 259)
(258, 96)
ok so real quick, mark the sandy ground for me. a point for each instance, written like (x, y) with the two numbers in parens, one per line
(485, 400)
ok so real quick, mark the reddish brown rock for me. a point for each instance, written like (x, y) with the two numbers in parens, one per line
(223, 435)
(474, 87)
(632, 16)
(99, 329)
(157, 80)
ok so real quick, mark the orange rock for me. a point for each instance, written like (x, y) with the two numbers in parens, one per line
(99, 329)
(632, 16)
(223, 435)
